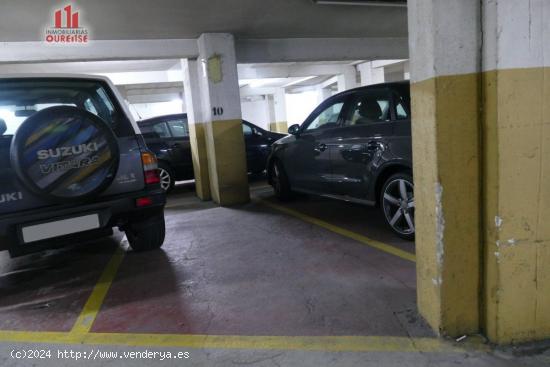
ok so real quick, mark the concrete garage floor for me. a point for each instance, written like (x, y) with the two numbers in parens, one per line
(264, 284)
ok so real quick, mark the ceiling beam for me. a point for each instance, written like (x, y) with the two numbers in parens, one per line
(329, 82)
(145, 77)
(289, 71)
(248, 91)
(30, 52)
(248, 50)
(154, 98)
(320, 49)
(160, 88)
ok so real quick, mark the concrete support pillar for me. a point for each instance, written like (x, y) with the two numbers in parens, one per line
(221, 110)
(481, 146)
(516, 182)
(197, 137)
(279, 119)
(348, 79)
(323, 94)
(444, 37)
(369, 74)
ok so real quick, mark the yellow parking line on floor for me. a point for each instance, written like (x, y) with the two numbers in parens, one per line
(301, 343)
(39, 337)
(344, 232)
(319, 343)
(89, 313)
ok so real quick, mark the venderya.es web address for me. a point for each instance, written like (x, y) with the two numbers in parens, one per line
(96, 354)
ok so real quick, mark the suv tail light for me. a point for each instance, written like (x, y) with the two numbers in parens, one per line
(150, 168)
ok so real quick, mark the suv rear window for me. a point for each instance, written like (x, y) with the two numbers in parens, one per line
(21, 98)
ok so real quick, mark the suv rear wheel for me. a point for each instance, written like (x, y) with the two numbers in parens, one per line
(397, 204)
(147, 234)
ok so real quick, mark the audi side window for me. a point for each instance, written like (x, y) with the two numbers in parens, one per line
(369, 108)
(162, 130)
(401, 113)
(179, 128)
(401, 108)
(327, 118)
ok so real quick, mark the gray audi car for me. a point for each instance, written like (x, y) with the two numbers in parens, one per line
(356, 146)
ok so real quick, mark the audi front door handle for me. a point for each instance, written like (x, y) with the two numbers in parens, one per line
(320, 148)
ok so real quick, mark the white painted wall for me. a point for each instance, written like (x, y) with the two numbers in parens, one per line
(433, 32)
(256, 112)
(300, 105)
(394, 76)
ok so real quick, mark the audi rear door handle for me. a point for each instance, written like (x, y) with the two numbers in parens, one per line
(374, 145)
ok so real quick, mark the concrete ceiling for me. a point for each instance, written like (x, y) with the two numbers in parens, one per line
(25, 20)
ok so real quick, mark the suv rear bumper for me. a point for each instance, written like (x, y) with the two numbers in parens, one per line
(112, 212)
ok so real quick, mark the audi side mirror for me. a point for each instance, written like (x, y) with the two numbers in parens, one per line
(3, 127)
(294, 129)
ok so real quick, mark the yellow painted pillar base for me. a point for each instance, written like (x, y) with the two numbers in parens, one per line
(517, 204)
(197, 135)
(279, 127)
(506, 226)
(481, 147)
(445, 135)
(227, 162)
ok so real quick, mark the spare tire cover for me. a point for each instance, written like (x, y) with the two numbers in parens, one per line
(65, 152)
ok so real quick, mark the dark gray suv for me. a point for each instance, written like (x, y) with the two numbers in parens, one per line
(73, 165)
(356, 146)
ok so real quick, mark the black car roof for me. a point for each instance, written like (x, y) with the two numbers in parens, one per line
(174, 116)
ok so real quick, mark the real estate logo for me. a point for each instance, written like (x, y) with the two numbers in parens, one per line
(67, 28)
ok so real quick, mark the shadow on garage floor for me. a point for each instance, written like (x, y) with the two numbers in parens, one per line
(247, 270)
(46, 291)
(251, 270)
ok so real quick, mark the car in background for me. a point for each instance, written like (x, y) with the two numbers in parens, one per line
(168, 137)
(356, 146)
(73, 166)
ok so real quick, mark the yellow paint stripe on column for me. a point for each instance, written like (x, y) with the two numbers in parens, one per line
(200, 160)
(279, 127)
(516, 184)
(445, 135)
(227, 162)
